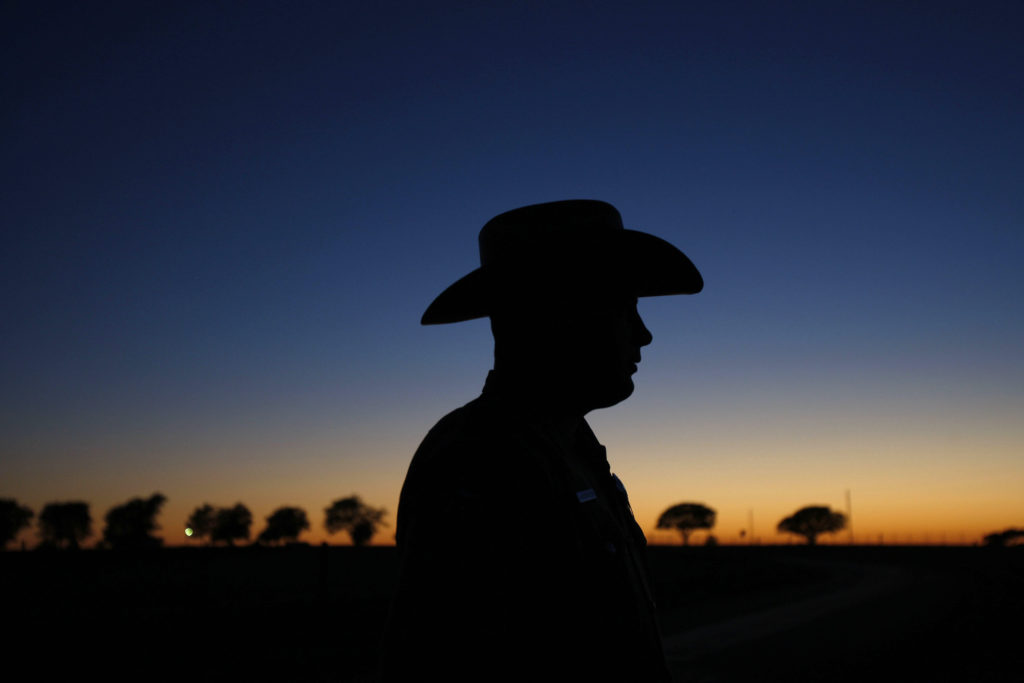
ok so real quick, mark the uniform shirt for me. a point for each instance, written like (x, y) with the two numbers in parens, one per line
(520, 557)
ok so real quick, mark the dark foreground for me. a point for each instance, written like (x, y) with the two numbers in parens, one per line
(315, 614)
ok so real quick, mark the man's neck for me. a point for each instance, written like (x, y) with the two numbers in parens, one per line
(536, 394)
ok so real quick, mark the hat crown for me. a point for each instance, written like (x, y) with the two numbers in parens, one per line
(553, 228)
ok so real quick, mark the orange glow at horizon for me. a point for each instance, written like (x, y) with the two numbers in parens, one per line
(900, 510)
(933, 474)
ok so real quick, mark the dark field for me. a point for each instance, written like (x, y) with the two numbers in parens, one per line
(314, 614)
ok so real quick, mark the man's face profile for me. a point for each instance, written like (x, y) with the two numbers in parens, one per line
(583, 353)
(603, 350)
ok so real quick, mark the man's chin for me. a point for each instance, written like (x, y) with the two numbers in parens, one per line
(611, 396)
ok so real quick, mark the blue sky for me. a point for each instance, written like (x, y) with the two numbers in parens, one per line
(223, 221)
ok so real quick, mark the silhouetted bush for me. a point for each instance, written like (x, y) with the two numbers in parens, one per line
(231, 524)
(813, 520)
(65, 525)
(130, 525)
(1004, 538)
(686, 517)
(352, 515)
(283, 525)
(13, 518)
(201, 521)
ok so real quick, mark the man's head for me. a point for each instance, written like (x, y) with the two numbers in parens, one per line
(560, 282)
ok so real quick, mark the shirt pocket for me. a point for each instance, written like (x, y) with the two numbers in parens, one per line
(599, 535)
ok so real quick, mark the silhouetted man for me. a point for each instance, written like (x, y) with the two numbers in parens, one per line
(520, 558)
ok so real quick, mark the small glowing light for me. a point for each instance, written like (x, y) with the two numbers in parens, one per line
(188, 531)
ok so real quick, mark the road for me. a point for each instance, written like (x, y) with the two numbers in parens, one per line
(905, 621)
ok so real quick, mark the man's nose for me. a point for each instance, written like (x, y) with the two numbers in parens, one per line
(641, 334)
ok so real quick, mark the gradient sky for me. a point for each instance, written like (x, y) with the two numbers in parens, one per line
(222, 221)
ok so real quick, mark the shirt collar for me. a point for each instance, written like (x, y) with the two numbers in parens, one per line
(570, 432)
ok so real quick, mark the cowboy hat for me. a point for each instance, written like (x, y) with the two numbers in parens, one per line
(573, 246)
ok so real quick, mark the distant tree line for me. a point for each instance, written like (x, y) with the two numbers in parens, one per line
(131, 525)
(809, 522)
(65, 525)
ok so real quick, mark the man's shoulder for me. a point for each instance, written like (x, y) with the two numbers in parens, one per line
(481, 441)
(477, 467)
(476, 430)
(478, 420)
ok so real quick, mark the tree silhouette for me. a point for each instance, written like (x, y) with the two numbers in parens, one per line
(231, 524)
(1006, 537)
(813, 520)
(201, 521)
(130, 525)
(65, 524)
(13, 518)
(362, 532)
(352, 515)
(284, 524)
(685, 517)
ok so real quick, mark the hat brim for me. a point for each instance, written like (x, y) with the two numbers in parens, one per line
(651, 266)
